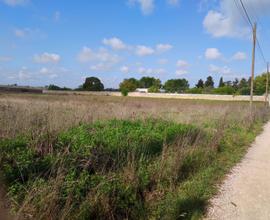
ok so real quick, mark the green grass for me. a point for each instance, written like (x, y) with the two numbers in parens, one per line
(121, 169)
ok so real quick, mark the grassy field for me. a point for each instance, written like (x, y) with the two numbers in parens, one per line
(101, 157)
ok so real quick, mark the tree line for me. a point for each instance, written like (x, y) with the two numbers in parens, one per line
(154, 85)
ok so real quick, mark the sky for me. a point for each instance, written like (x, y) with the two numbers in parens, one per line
(61, 42)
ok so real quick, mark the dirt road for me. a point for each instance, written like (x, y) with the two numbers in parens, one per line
(245, 194)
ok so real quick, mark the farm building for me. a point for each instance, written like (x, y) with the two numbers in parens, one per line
(142, 90)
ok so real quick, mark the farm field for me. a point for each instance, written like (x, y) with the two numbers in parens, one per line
(105, 157)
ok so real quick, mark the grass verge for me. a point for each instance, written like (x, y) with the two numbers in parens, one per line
(123, 169)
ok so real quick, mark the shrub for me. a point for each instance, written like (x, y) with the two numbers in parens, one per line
(124, 92)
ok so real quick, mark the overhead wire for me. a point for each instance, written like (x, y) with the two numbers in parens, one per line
(251, 24)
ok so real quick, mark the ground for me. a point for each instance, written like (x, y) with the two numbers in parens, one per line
(245, 194)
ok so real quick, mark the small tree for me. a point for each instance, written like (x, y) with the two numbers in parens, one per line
(235, 84)
(128, 85)
(209, 82)
(221, 82)
(93, 84)
(124, 92)
(200, 84)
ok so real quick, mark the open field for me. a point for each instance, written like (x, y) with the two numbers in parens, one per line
(104, 157)
(164, 95)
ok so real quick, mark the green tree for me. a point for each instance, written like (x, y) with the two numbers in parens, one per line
(200, 84)
(54, 87)
(129, 85)
(147, 82)
(260, 84)
(243, 83)
(209, 82)
(93, 84)
(235, 84)
(221, 82)
(176, 85)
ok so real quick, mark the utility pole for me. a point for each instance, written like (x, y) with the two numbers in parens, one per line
(267, 85)
(253, 64)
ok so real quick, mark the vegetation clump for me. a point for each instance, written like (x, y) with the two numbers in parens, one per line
(120, 169)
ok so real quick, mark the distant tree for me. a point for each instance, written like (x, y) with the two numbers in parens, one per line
(54, 87)
(200, 84)
(228, 83)
(235, 84)
(243, 83)
(260, 84)
(128, 85)
(147, 82)
(221, 82)
(209, 82)
(153, 89)
(224, 90)
(93, 84)
(176, 85)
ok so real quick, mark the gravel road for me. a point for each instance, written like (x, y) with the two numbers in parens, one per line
(245, 194)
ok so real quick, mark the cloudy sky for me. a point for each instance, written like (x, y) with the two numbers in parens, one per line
(61, 42)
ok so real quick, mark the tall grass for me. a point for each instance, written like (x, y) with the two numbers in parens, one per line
(119, 158)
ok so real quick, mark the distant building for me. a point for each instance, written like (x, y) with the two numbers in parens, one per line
(20, 89)
(142, 90)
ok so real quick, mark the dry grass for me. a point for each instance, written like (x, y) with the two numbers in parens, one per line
(177, 181)
(52, 113)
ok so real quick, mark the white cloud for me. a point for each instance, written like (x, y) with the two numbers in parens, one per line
(144, 50)
(53, 76)
(150, 71)
(227, 21)
(220, 70)
(160, 71)
(182, 64)
(143, 70)
(147, 6)
(124, 69)
(162, 61)
(115, 43)
(5, 59)
(239, 56)
(160, 48)
(181, 72)
(102, 55)
(28, 32)
(173, 2)
(212, 54)
(15, 2)
(47, 58)
(20, 32)
(24, 74)
(101, 67)
(44, 70)
(57, 16)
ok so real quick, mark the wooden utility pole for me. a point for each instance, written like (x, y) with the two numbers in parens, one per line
(253, 63)
(267, 85)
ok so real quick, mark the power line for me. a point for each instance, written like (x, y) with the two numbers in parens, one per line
(250, 22)
(246, 13)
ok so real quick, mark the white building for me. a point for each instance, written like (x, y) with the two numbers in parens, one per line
(142, 90)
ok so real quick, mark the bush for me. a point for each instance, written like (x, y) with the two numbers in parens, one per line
(85, 172)
(194, 91)
(225, 90)
(124, 92)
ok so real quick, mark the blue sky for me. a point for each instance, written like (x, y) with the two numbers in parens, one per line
(61, 42)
